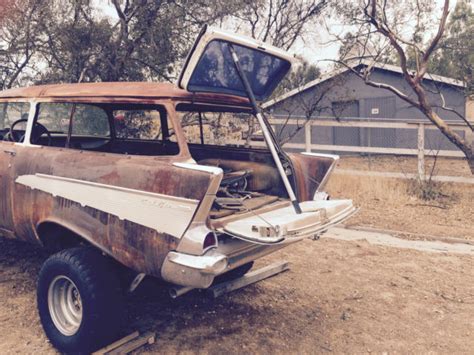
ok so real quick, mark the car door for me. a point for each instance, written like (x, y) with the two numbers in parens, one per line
(9, 113)
(6, 156)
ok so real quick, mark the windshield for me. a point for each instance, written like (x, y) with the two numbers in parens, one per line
(215, 71)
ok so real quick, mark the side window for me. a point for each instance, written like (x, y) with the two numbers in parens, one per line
(136, 130)
(218, 128)
(11, 112)
(138, 124)
(55, 117)
(143, 130)
(88, 120)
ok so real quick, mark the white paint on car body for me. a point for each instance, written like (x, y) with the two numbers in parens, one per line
(163, 213)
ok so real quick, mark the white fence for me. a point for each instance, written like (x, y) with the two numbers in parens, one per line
(421, 127)
(418, 148)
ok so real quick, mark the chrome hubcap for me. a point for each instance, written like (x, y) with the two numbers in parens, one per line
(65, 305)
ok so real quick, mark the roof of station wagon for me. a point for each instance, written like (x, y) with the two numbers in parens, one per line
(118, 90)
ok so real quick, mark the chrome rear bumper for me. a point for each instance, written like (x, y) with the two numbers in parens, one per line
(200, 271)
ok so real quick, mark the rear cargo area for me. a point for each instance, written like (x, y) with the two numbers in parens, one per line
(250, 179)
(252, 204)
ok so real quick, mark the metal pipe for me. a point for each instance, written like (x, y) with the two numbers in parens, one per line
(201, 131)
(137, 280)
(266, 133)
(175, 292)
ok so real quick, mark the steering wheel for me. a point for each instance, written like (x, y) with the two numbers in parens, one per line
(36, 133)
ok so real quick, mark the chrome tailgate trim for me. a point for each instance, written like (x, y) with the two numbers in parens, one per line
(284, 224)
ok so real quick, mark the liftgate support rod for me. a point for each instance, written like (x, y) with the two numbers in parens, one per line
(266, 133)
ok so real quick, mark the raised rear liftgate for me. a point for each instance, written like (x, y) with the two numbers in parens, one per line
(222, 62)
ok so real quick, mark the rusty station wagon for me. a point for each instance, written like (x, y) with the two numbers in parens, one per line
(141, 175)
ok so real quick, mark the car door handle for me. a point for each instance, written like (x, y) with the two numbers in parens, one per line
(11, 152)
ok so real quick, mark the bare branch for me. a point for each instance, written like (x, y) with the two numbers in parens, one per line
(429, 51)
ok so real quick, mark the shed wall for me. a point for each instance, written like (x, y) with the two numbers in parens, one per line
(369, 102)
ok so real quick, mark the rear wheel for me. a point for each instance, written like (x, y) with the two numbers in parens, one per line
(80, 301)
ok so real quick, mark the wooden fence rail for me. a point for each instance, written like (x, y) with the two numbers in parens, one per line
(421, 126)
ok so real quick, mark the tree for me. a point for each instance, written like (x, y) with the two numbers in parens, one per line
(388, 24)
(278, 22)
(18, 39)
(69, 40)
(142, 43)
(455, 56)
(73, 43)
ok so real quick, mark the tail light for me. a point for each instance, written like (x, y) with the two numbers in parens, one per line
(210, 241)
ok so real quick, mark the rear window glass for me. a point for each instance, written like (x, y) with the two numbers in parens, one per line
(215, 71)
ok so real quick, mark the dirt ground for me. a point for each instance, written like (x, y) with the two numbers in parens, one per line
(338, 297)
(393, 203)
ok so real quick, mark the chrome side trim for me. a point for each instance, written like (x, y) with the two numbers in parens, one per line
(163, 213)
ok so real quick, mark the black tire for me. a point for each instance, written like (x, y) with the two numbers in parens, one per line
(100, 305)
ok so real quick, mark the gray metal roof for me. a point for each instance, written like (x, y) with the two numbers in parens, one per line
(336, 72)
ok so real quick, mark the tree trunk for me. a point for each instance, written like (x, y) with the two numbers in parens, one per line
(465, 146)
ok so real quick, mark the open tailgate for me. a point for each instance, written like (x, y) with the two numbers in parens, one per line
(284, 223)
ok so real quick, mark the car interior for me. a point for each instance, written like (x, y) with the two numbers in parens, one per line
(121, 129)
(215, 137)
(250, 180)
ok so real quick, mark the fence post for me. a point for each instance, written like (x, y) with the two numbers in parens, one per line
(421, 151)
(369, 144)
(307, 135)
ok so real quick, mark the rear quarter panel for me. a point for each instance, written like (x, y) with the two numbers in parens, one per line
(136, 246)
(312, 172)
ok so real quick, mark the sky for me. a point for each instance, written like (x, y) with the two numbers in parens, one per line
(314, 49)
(318, 47)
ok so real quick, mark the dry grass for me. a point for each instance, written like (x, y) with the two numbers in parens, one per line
(426, 190)
(406, 165)
(362, 187)
(392, 204)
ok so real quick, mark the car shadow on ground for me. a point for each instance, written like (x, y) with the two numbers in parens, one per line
(151, 308)
(257, 317)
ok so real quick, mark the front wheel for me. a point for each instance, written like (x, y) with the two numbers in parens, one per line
(79, 300)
